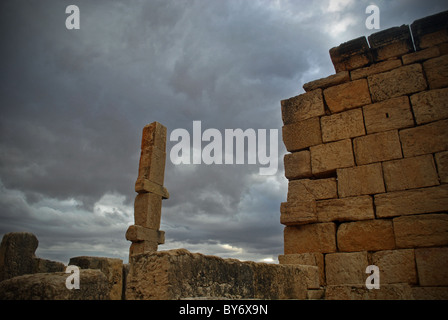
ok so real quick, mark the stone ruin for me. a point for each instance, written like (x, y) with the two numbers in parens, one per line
(368, 172)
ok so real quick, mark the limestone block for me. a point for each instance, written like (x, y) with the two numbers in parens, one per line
(361, 180)
(301, 135)
(332, 80)
(377, 147)
(430, 30)
(154, 135)
(345, 209)
(370, 235)
(401, 81)
(396, 266)
(387, 115)
(398, 291)
(318, 237)
(392, 42)
(430, 293)
(147, 186)
(351, 55)
(418, 56)
(421, 230)
(436, 71)
(179, 274)
(347, 96)
(410, 173)
(431, 266)
(297, 165)
(428, 138)
(138, 233)
(326, 158)
(426, 200)
(152, 165)
(344, 268)
(442, 166)
(430, 105)
(379, 67)
(148, 210)
(302, 107)
(342, 125)
(140, 247)
(306, 189)
(297, 213)
(310, 259)
(111, 267)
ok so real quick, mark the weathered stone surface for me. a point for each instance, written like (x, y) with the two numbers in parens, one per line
(152, 165)
(426, 200)
(310, 259)
(154, 135)
(421, 55)
(421, 230)
(17, 254)
(377, 147)
(375, 68)
(51, 286)
(410, 173)
(360, 292)
(145, 186)
(388, 115)
(442, 166)
(347, 96)
(332, 80)
(431, 266)
(351, 55)
(46, 266)
(430, 30)
(326, 158)
(361, 180)
(430, 293)
(428, 138)
(396, 266)
(430, 105)
(342, 125)
(318, 237)
(401, 81)
(392, 42)
(345, 209)
(141, 247)
(297, 165)
(343, 268)
(148, 210)
(436, 71)
(306, 190)
(177, 274)
(298, 212)
(301, 135)
(137, 233)
(370, 235)
(302, 107)
(111, 267)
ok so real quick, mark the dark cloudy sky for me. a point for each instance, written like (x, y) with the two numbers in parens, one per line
(74, 102)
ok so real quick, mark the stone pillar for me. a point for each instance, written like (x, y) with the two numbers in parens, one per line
(145, 234)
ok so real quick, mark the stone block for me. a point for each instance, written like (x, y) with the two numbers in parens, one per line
(310, 259)
(297, 213)
(370, 235)
(332, 80)
(152, 165)
(436, 71)
(431, 30)
(430, 293)
(51, 286)
(345, 209)
(428, 138)
(388, 115)
(442, 166)
(422, 55)
(342, 125)
(377, 147)
(396, 266)
(301, 135)
(306, 190)
(148, 210)
(398, 203)
(141, 247)
(112, 268)
(398, 82)
(347, 96)
(351, 55)
(431, 266)
(318, 237)
(326, 158)
(429, 106)
(392, 42)
(398, 291)
(302, 107)
(179, 274)
(361, 180)
(154, 135)
(139, 233)
(425, 230)
(379, 67)
(147, 186)
(344, 268)
(297, 165)
(410, 173)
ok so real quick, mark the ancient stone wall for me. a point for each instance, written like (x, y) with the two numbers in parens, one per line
(368, 166)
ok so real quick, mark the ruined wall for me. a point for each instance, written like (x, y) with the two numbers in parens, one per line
(368, 166)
